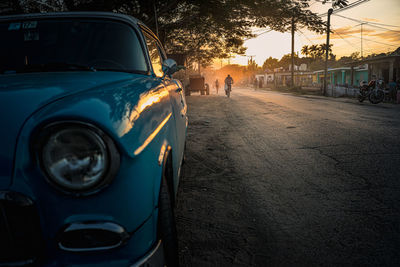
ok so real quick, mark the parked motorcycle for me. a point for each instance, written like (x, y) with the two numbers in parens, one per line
(373, 90)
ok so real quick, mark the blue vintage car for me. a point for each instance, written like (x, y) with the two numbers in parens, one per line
(92, 140)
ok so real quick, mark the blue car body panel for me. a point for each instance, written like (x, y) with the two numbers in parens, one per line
(144, 116)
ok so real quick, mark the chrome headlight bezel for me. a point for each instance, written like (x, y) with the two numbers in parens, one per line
(46, 132)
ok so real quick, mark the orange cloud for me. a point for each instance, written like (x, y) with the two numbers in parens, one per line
(370, 19)
(348, 30)
(389, 36)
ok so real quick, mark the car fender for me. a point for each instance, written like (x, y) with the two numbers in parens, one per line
(140, 150)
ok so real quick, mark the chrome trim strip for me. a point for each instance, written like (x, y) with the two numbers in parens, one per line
(89, 249)
(154, 257)
(162, 153)
(152, 135)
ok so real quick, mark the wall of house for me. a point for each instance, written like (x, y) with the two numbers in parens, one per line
(360, 76)
(338, 79)
(339, 91)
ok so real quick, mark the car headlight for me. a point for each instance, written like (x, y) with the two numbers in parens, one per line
(77, 157)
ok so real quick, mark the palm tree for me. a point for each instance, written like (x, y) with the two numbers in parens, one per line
(305, 50)
(313, 50)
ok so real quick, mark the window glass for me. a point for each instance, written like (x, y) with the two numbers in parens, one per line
(155, 57)
(56, 44)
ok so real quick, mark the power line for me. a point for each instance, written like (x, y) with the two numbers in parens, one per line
(349, 27)
(368, 22)
(303, 43)
(354, 4)
(305, 36)
(353, 45)
(370, 50)
(379, 42)
(380, 27)
(267, 31)
(357, 48)
(369, 40)
(334, 32)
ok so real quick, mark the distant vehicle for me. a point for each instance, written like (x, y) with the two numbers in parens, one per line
(92, 142)
(197, 84)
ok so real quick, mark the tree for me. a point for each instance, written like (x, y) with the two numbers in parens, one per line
(203, 30)
(31, 6)
(305, 50)
(322, 49)
(270, 63)
(225, 23)
(286, 60)
(252, 65)
(316, 52)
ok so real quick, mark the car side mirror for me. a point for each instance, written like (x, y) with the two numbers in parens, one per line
(169, 67)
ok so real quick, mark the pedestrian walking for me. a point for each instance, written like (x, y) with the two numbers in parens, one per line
(216, 85)
(392, 91)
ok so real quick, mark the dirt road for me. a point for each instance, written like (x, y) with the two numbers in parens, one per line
(278, 180)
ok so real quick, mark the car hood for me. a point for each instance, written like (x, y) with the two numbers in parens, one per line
(23, 94)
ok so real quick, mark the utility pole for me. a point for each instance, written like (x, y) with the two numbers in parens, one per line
(292, 73)
(362, 39)
(328, 26)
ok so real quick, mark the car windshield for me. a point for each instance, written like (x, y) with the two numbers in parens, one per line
(69, 45)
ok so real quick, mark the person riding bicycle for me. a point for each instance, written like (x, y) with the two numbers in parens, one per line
(228, 83)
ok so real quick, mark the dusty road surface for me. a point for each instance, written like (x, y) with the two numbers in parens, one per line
(273, 179)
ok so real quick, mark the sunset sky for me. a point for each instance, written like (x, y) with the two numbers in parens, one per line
(376, 39)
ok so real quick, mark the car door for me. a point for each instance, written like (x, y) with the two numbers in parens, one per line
(157, 56)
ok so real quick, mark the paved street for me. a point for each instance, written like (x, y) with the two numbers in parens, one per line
(274, 179)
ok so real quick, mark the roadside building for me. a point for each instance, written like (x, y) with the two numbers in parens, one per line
(343, 76)
(301, 78)
(266, 78)
(386, 67)
(260, 79)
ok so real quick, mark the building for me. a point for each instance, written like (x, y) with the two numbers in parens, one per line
(344, 76)
(301, 78)
(266, 78)
(282, 77)
(386, 67)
